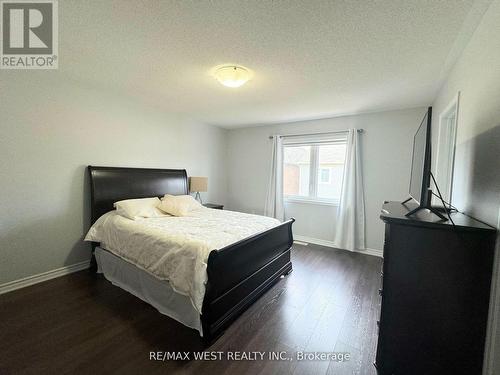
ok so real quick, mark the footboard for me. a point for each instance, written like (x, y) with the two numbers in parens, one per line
(238, 274)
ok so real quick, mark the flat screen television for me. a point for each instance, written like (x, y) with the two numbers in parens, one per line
(420, 178)
(421, 162)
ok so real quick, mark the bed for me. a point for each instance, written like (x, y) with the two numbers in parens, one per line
(237, 273)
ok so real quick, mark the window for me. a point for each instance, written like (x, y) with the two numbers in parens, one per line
(297, 171)
(313, 171)
(324, 176)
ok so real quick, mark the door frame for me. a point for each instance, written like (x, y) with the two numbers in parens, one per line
(451, 132)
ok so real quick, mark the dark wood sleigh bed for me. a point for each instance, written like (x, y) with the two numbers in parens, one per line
(237, 274)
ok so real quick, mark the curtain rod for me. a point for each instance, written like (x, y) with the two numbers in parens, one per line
(300, 135)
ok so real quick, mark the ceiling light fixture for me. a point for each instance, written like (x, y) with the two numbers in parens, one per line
(232, 75)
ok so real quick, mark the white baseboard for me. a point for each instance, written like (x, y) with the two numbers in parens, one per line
(300, 242)
(316, 241)
(35, 279)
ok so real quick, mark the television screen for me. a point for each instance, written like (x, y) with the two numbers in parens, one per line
(418, 167)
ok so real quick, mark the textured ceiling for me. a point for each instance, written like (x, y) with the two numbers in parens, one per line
(311, 59)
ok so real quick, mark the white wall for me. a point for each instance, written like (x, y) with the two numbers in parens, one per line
(476, 185)
(50, 129)
(476, 182)
(386, 146)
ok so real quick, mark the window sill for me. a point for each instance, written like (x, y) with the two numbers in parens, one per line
(312, 201)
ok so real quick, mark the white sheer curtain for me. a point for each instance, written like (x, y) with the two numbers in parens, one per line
(350, 227)
(274, 202)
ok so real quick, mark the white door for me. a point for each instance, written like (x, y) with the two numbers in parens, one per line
(445, 153)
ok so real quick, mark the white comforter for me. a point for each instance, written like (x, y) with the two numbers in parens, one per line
(176, 248)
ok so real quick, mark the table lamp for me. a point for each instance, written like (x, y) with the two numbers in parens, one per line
(198, 184)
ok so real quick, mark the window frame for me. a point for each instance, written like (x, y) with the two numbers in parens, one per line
(314, 169)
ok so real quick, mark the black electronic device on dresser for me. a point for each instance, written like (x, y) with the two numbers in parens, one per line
(435, 293)
(215, 206)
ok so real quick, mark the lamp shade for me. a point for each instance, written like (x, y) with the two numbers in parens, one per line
(198, 184)
(232, 75)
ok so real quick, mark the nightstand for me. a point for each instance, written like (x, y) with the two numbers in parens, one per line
(214, 206)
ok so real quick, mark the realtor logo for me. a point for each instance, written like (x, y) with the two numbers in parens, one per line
(29, 34)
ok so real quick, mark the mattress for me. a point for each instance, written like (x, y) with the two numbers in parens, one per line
(176, 248)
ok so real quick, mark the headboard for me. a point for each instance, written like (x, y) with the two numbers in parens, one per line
(111, 184)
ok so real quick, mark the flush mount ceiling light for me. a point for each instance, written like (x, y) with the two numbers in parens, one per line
(232, 75)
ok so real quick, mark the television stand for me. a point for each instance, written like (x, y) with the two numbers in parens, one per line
(434, 210)
(407, 200)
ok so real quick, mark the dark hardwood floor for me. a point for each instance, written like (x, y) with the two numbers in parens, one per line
(81, 324)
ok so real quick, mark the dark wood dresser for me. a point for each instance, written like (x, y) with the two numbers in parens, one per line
(435, 293)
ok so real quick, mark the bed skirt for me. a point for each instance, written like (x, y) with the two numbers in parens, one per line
(158, 293)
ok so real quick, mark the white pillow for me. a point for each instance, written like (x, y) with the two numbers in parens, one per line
(137, 208)
(178, 205)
